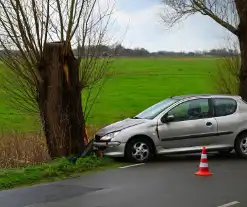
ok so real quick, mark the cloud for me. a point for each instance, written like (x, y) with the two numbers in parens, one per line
(145, 29)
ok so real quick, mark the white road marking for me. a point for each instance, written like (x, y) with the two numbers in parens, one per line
(132, 165)
(230, 204)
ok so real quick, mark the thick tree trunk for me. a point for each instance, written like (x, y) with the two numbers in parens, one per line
(60, 101)
(242, 37)
(243, 69)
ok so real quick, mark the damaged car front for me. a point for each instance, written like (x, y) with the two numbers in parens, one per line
(111, 140)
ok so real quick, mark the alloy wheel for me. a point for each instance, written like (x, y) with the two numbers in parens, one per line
(243, 145)
(140, 151)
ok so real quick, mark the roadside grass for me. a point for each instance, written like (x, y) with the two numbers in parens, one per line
(24, 160)
(52, 171)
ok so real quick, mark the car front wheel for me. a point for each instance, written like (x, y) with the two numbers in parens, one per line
(241, 145)
(138, 150)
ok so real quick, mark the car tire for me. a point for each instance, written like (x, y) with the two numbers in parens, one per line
(139, 150)
(241, 145)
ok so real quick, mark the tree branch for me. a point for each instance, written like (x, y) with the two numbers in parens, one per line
(221, 11)
(206, 11)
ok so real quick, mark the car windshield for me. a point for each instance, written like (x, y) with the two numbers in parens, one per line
(156, 109)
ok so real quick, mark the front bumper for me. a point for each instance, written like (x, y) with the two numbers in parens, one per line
(110, 149)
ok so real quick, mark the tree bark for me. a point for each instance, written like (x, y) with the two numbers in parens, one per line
(243, 70)
(241, 6)
(60, 101)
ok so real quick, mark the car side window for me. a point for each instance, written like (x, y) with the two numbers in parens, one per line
(224, 106)
(191, 110)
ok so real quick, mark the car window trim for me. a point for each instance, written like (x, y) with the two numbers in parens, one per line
(213, 102)
(210, 105)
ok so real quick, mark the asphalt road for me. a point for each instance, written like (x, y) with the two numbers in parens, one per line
(168, 182)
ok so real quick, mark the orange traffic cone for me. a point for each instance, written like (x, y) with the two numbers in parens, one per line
(203, 168)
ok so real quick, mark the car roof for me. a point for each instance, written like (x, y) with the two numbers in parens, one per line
(188, 96)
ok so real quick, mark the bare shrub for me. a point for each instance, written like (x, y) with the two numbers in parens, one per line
(22, 149)
(228, 72)
(17, 150)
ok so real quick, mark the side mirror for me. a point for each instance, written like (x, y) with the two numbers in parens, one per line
(166, 118)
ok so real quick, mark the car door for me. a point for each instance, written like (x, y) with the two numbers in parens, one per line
(193, 125)
(225, 113)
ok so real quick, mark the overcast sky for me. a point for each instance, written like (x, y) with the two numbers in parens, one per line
(139, 25)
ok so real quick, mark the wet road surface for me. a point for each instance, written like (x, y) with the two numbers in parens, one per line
(167, 182)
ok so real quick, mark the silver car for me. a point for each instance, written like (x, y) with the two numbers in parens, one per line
(181, 124)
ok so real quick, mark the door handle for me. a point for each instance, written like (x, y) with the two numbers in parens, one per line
(209, 124)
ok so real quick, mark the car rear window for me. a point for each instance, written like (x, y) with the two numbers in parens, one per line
(224, 106)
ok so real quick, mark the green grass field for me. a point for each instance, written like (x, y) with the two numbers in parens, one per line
(137, 84)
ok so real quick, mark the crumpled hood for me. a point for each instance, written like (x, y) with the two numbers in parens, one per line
(120, 125)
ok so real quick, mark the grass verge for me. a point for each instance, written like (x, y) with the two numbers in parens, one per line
(54, 170)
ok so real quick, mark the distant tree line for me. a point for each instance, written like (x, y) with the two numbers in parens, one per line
(121, 51)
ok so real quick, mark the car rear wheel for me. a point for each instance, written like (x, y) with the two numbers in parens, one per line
(139, 150)
(241, 145)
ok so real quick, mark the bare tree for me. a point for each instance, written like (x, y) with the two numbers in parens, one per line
(230, 14)
(45, 77)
